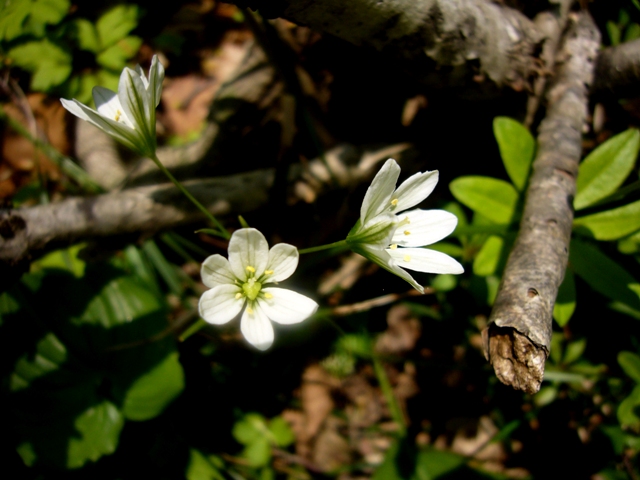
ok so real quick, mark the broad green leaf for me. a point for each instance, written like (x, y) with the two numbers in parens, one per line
(116, 24)
(490, 197)
(488, 258)
(49, 355)
(152, 392)
(49, 63)
(603, 274)
(611, 224)
(204, 468)
(545, 396)
(88, 38)
(281, 432)
(258, 453)
(46, 12)
(604, 169)
(614, 32)
(98, 432)
(566, 300)
(630, 363)
(251, 427)
(627, 409)
(115, 57)
(517, 148)
(29, 17)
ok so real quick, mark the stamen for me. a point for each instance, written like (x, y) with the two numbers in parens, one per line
(394, 202)
(407, 232)
(406, 258)
(267, 295)
(393, 246)
(251, 269)
(238, 296)
(250, 310)
(268, 272)
(118, 114)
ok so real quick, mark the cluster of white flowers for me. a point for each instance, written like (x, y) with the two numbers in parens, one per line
(385, 233)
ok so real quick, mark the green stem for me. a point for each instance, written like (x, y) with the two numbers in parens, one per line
(387, 392)
(192, 329)
(341, 243)
(223, 231)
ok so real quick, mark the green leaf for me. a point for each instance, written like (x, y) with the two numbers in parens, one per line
(488, 258)
(88, 38)
(116, 24)
(432, 464)
(250, 428)
(603, 274)
(66, 259)
(49, 63)
(628, 408)
(545, 396)
(611, 224)
(490, 197)
(204, 468)
(517, 149)
(605, 168)
(46, 12)
(29, 17)
(574, 351)
(566, 300)
(152, 392)
(115, 57)
(630, 363)
(281, 432)
(258, 453)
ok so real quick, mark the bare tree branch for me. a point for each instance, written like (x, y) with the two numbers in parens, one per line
(518, 338)
(618, 69)
(426, 32)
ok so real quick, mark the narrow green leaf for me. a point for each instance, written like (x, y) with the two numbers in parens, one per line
(490, 197)
(611, 224)
(517, 148)
(152, 392)
(604, 169)
(574, 351)
(630, 363)
(566, 300)
(603, 274)
(432, 464)
(627, 409)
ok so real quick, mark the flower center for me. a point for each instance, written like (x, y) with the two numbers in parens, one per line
(251, 288)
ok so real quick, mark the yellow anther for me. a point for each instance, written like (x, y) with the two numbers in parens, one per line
(407, 232)
(406, 258)
(118, 114)
(250, 310)
(394, 202)
(238, 296)
(251, 269)
(267, 295)
(268, 272)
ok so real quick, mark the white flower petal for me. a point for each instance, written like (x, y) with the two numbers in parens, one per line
(248, 247)
(108, 105)
(286, 306)
(135, 103)
(425, 227)
(385, 260)
(219, 305)
(156, 77)
(216, 271)
(256, 327)
(425, 260)
(415, 189)
(283, 261)
(378, 195)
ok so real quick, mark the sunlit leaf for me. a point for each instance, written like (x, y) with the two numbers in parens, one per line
(258, 453)
(630, 363)
(611, 224)
(517, 148)
(49, 63)
(488, 258)
(204, 468)
(281, 432)
(604, 169)
(492, 198)
(88, 38)
(116, 24)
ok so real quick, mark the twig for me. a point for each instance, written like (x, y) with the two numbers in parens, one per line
(518, 338)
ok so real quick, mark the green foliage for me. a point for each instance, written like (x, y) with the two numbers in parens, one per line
(624, 30)
(88, 366)
(259, 435)
(517, 149)
(493, 198)
(611, 224)
(42, 37)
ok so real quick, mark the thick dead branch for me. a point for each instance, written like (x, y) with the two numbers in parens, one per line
(518, 338)
(424, 32)
(29, 232)
(618, 70)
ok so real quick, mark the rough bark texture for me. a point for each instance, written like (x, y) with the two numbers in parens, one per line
(424, 32)
(618, 69)
(518, 338)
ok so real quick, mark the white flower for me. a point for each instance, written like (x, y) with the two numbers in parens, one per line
(129, 115)
(390, 238)
(240, 281)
